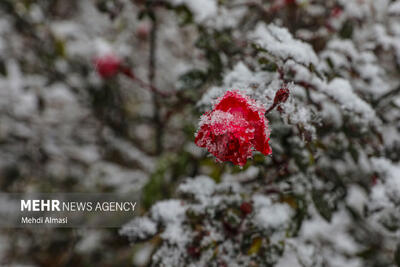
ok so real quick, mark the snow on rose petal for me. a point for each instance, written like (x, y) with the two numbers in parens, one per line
(234, 128)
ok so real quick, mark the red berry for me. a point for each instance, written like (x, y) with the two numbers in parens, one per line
(246, 208)
(107, 65)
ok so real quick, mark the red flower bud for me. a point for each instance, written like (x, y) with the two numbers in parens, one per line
(107, 65)
(246, 208)
(281, 96)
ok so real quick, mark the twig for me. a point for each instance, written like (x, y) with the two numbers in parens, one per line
(128, 72)
(152, 75)
(387, 95)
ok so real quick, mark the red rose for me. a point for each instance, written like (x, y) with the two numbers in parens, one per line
(234, 129)
(107, 65)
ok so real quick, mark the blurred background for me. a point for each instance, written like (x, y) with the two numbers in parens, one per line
(105, 96)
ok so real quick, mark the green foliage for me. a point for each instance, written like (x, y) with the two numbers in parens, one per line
(346, 32)
(192, 79)
(267, 65)
(156, 188)
(323, 205)
(397, 256)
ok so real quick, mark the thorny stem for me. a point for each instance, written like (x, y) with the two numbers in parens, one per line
(274, 105)
(129, 73)
(281, 95)
(387, 95)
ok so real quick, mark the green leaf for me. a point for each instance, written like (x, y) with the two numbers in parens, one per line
(267, 65)
(258, 48)
(153, 190)
(255, 246)
(184, 14)
(193, 79)
(156, 189)
(397, 256)
(346, 32)
(322, 205)
(59, 48)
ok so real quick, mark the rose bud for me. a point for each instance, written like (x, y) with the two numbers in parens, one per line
(234, 129)
(281, 96)
(246, 208)
(107, 65)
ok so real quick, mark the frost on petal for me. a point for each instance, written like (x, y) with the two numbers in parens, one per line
(234, 128)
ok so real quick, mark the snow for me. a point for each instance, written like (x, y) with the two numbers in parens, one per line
(394, 8)
(202, 10)
(129, 152)
(341, 90)
(110, 174)
(89, 241)
(139, 228)
(168, 211)
(346, 47)
(175, 235)
(318, 228)
(253, 84)
(357, 198)
(270, 215)
(201, 187)
(250, 173)
(279, 42)
(143, 255)
(273, 216)
(389, 187)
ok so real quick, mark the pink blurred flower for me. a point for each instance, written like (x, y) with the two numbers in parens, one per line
(107, 65)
